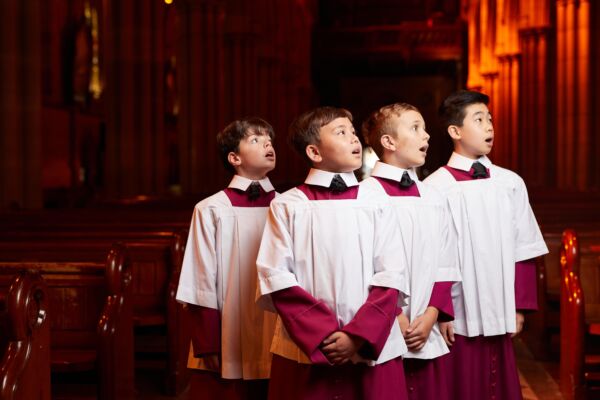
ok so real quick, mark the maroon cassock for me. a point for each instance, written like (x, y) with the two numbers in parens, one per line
(484, 367)
(425, 379)
(309, 321)
(206, 335)
(428, 379)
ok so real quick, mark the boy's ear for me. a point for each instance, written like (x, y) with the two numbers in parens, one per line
(313, 154)
(454, 132)
(234, 159)
(388, 142)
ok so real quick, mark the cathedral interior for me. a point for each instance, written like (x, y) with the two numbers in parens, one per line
(109, 112)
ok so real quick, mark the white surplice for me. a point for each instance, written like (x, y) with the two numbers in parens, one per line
(219, 271)
(335, 250)
(430, 244)
(496, 228)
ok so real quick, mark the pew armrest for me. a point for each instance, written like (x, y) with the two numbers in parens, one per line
(178, 332)
(115, 329)
(27, 357)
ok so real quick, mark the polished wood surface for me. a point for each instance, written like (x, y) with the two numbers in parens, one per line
(91, 324)
(24, 337)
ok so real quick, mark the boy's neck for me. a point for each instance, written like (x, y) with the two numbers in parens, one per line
(252, 177)
(332, 170)
(467, 154)
(390, 160)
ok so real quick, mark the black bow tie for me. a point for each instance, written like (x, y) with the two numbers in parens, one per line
(406, 181)
(337, 184)
(253, 190)
(479, 170)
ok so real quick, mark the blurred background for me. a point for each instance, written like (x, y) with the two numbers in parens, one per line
(105, 99)
(109, 111)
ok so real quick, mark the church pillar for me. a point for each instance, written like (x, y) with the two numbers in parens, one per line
(573, 93)
(202, 95)
(136, 149)
(538, 131)
(20, 104)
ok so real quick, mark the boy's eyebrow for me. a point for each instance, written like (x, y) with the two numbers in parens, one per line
(342, 126)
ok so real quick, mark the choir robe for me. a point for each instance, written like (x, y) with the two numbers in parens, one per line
(430, 242)
(328, 262)
(218, 283)
(498, 237)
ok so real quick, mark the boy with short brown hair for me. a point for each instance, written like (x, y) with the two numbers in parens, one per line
(230, 334)
(328, 266)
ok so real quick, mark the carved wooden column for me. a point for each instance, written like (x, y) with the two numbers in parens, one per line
(538, 134)
(595, 83)
(136, 158)
(20, 104)
(573, 93)
(505, 103)
(202, 95)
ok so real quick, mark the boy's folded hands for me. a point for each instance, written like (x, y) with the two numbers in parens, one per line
(419, 329)
(339, 347)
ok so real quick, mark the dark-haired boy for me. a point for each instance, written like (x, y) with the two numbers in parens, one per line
(498, 240)
(231, 335)
(397, 134)
(328, 266)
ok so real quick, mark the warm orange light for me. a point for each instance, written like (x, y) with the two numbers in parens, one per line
(168, 1)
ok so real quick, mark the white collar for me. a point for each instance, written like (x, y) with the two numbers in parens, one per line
(241, 183)
(388, 171)
(465, 163)
(323, 178)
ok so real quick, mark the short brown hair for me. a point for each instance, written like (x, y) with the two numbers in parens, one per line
(229, 138)
(379, 124)
(304, 130)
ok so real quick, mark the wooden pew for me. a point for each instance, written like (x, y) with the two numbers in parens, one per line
(579, 332)
(161, 336)
(91, 319)
(542, 327)
(24, 337)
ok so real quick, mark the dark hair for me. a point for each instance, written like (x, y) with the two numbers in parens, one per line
(379, 123)
(229, 138)
(304, 130)
(453, 108)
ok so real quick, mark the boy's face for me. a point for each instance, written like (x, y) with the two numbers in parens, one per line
(408, 146)
(475, 138)
(338, 150)
(256, 156)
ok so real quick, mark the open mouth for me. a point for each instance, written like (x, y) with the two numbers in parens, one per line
(356, 151)
(270, 154)
(489, 140)
(424, 148)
